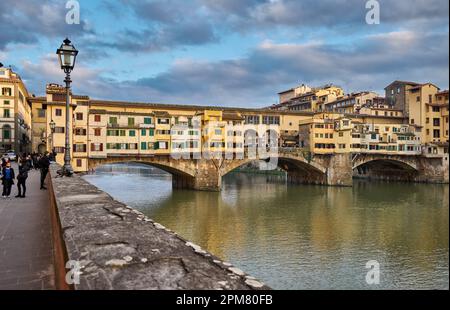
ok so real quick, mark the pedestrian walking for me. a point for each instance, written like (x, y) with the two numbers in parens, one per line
(8, 176)
(24, 167)
(44, 164)
(35, 159)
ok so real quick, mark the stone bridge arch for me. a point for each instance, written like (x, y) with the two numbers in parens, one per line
(394, 167)
(183, 171)
(283, 162)
(300, 170)
(400, 161)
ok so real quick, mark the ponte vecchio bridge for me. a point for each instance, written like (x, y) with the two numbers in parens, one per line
(300, 168)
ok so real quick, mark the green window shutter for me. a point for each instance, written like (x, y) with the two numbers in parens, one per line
(122, 133)
(143, 145)
(130, 121)
(143, 132)
(132, 133)
(147, 120)
(156, 145)
(152, 132)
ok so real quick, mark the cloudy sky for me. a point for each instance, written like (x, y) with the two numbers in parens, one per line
(225, 52)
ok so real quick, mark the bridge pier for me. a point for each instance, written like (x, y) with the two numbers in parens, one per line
(339, 171)
(207, 177)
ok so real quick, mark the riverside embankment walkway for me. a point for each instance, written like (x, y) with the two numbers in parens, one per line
(26, 248)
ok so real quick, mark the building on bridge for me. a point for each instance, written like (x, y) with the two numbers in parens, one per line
(111, 129)
(336, 133)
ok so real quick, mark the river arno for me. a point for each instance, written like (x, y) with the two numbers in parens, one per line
(302, 237)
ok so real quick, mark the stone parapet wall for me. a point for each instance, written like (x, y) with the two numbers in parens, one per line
(120, 248)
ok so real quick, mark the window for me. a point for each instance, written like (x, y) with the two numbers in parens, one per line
(252, 119)
(59, 149)
(80, 131)
(6, 91)
(58, 112)
(59, 129)
(272, 120)
(6, 132)
(143, 145)
(218, 132)
(97, 118)
(427, 120)
(164, 121)
(428, 132)
(131, 121)
(6, 113)
(430, 98)
(79, 162)
(143, 132)
(41, 113)
(162, 145)
(147, 120)
(436, 133)
(6, 102)
(97, 132)
(398, 90)
(97, 147)
(151, 132)
(436, 121)
(79, 148)
(79, 116)
(341, 134)
(163, 132)
(436, 109)
(132, 133)
(113, 120)
(412, 121)
(418, 98)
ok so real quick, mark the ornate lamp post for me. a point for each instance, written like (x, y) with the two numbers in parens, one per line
(67, 55)
(52, 131)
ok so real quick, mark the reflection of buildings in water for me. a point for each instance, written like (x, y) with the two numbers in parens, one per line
(257, 222)
(251, 214)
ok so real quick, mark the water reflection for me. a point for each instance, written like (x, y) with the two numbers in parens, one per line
(303, 237)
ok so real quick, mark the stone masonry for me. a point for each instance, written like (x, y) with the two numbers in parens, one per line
(120, 248)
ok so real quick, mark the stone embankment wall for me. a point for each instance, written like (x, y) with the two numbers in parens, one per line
(118, 247)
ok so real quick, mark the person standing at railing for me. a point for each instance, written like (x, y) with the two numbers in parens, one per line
(44, 164)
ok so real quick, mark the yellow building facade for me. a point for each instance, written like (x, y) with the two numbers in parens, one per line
(15, 113)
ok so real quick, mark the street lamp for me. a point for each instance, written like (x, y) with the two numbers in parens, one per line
(67, 55)
(52, 130)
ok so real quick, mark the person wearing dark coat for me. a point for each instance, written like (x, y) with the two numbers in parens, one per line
(24, 167)
(8, 176)
(44, 164)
